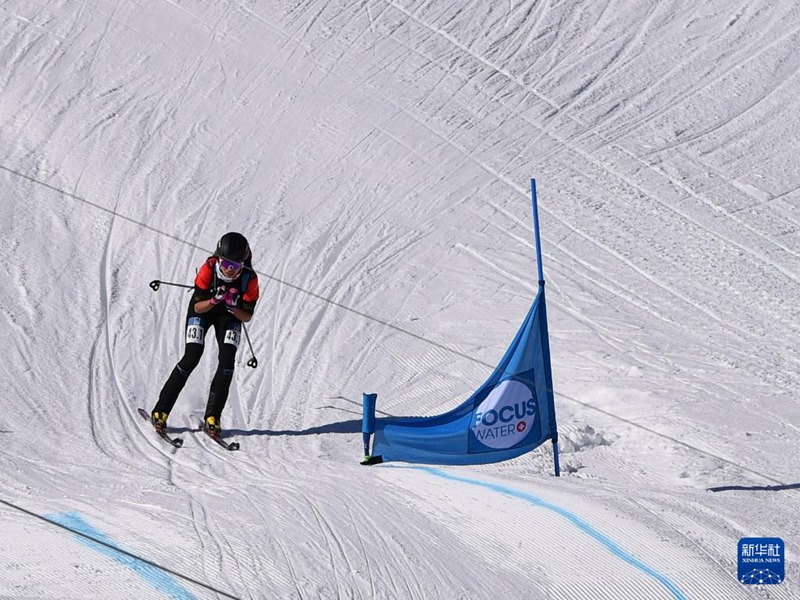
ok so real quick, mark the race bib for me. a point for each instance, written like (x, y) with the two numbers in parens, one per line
(233, 334)
(195, 334)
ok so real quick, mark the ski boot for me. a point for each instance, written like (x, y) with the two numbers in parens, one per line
(159, 421)
(211, 427)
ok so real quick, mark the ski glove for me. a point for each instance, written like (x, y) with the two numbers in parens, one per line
(232, 298)
(219, 295)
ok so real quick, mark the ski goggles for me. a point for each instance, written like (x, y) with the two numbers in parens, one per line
(229, 264)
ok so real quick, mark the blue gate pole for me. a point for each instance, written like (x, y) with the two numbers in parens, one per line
(368, 422)
(536, 234)
(548, 374)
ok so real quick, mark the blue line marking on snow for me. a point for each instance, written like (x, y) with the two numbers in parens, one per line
(585, 527)
(154, 576)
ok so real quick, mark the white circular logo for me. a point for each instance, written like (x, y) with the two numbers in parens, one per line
(504, 418)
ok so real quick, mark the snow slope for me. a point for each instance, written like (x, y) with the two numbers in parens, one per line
(378, 154)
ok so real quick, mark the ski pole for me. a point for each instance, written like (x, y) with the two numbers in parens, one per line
(253, 362)
(156, 283)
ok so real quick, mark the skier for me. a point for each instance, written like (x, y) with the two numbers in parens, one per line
(225, 295)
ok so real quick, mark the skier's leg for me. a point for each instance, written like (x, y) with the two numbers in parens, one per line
(196, 328)
(228, 335)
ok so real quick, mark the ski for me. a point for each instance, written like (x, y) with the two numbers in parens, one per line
(174, 442)
(227, 445)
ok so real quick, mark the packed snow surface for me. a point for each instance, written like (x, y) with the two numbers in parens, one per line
(378, 156)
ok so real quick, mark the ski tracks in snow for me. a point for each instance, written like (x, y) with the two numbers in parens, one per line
(451, 101)
(635, 547)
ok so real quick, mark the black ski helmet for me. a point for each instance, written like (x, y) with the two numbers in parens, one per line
(234, 247)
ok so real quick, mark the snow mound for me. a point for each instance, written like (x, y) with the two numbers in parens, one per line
(581, 439)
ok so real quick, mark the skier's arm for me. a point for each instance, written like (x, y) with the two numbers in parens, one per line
(204, 301)
(240, 314)
(244, 310)
(204, 306)
(203, 298)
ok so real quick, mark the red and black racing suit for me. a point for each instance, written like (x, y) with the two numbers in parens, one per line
(227, 330)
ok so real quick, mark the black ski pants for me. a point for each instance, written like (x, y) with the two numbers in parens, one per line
(228, 331)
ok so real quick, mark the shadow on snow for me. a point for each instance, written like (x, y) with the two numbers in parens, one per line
(352, 426)
(756, 488)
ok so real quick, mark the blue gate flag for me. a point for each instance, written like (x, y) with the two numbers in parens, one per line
(512, 413)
